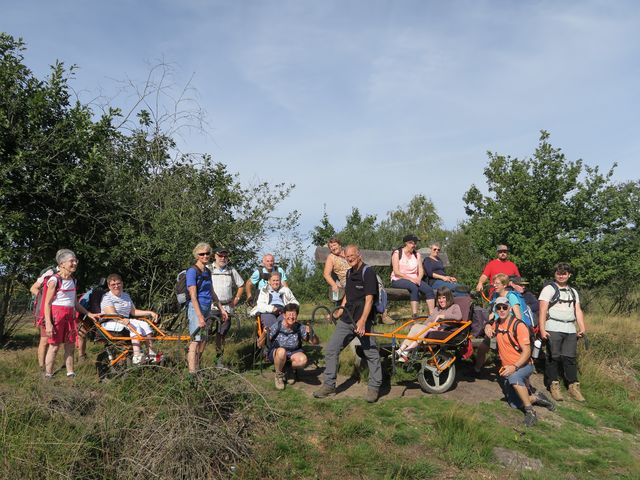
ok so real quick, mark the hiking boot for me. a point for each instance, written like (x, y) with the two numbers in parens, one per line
(386, 319)
(324, 391)
(137, 359)
(372, 395)
(554, 389)
(574, 391)
(279, 380)
(543, 401)
(530, 417)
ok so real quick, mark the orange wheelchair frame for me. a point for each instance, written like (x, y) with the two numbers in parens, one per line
(434, 357)
(118, 351)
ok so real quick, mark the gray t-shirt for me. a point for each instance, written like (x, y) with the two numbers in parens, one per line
(562, 315)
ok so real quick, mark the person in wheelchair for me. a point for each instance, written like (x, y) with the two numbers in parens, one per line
(117, 302)
(445, 309)
(271, 301)
(284, 342)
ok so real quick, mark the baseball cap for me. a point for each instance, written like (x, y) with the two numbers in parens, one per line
(502, 300)
(221, 250)
(410, 238)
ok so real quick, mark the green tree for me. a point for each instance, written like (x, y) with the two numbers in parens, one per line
(550, 209)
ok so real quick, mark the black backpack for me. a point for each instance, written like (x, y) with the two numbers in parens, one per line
(182, 295)
(265, 275)
(297, 331)
(556, 295)
(399, 250)
(512, 333)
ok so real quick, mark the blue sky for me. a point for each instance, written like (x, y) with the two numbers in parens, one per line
(366, 103)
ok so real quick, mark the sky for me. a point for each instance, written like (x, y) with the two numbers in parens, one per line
(364, 103)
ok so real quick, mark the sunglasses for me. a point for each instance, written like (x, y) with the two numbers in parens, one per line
(502, 306)
(503, 251)
(435, 249)
(202, 254)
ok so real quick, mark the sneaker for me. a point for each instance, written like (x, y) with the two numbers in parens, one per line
(48, 376)
(574, 391)
(71, 374)
(543, 401)
(402, 356)
(372, 395)
(137, 359)
(530, 417)
(387, 320)
(554, 389)
(279, 380)
(324, 391)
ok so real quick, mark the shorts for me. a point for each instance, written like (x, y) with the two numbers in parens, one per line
(521, 376)
(289, 353)
(65, 329)
(203, 334)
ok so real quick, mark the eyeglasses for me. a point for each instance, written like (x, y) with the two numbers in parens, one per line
(435, 249)
(502, 306)
(203, 254)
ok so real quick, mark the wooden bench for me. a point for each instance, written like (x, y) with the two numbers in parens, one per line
(381, 258)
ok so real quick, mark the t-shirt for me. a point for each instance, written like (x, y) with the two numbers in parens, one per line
(66, 294)
(289, 339)
(496, 266)
(224, 281)
(258, 281)
(407, 265)
(561, 316)
(205, 292)
(432, 266)
(122, 304)
(508, 354)
(356, 289)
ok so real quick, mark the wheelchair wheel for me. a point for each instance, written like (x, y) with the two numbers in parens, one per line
(433, 381)
(104, 368)
(320, 313)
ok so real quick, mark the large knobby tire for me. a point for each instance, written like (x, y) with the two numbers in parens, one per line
(432, 381)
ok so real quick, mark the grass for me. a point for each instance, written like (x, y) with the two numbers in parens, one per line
(154, 423)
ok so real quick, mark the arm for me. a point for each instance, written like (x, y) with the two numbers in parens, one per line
(144, 313)
(542, 318)
(483, 278)
(48, 301)
(240, 284)
(508, 370)
(311, 336)
(326, 273)
(35, 288)
(368, 305)
(420, 267)
(516, 311)
(582, 329)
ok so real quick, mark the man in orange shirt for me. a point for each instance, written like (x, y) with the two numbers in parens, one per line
(514, 348)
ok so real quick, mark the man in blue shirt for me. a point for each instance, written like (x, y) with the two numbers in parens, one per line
(260, 277)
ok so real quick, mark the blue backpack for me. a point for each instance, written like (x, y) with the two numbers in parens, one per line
(383, 300)
(528, 317)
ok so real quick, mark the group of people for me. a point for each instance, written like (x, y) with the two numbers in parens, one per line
(215, 289)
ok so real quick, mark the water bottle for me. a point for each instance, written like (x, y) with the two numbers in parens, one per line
(536, 348)
(335, 295)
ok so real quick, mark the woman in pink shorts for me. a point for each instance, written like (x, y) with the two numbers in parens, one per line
(60, 305)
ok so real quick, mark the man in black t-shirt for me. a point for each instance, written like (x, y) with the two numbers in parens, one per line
(358, 314)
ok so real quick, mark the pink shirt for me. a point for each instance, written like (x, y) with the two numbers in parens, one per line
(408, 265)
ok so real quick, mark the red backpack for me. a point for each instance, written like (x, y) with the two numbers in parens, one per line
(38, 303)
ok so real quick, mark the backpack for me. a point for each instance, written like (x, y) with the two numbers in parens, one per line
(527, 314)
(262, 275)
(512, 327)
(92, 298)
(37, 299)
(182, 294)
(399, 250)
(383, 300)
(556, 294)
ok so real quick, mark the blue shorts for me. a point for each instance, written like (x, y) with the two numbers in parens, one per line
(193, 321)
(519, 377)
(289, 353)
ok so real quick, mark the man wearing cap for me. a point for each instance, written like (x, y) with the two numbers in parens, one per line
(491, 269)
(260, 276)
(514, 348)
(496, 266)
(225, 280)
(407, 272)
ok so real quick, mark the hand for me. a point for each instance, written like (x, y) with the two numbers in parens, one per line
(479, 287)
(488, 331)
(154, 317)
(543, 334)
(224, 314)
(359, 330)
(49, 329)
(580, 333)
(93, 316)
(334, 288)
(507, 370)
(235, 301)
(201, 322)
(452, 279)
